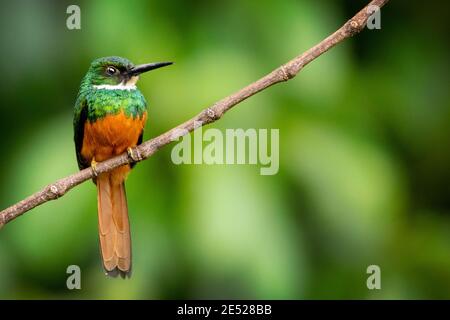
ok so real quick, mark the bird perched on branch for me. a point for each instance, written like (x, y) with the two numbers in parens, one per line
(109, 119)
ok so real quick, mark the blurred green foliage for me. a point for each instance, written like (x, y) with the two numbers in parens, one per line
(364, 152)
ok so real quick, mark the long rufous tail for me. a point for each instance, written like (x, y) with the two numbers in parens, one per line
(113, 224)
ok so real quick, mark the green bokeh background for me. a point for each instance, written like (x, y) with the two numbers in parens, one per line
(364, 152)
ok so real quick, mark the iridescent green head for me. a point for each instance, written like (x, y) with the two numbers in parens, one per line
(117, 71)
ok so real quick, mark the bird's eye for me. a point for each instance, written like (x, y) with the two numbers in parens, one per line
(111, 71)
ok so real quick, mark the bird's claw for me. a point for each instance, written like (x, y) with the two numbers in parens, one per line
(134, 154)
(94, 167)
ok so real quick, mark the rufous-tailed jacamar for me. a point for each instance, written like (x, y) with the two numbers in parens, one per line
(110, 115)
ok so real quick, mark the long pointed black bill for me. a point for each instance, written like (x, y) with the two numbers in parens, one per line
(147, 67)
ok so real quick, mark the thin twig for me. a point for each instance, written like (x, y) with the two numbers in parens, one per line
(208, 115)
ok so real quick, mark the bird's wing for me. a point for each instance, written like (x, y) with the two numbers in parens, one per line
(79, 120)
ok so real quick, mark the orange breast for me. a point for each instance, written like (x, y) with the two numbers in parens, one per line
(111, 135)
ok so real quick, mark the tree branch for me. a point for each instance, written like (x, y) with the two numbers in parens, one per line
(208, 115)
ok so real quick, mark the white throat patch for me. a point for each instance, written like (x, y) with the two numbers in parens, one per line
(129, 85)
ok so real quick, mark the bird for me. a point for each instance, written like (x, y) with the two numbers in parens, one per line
(110, 114)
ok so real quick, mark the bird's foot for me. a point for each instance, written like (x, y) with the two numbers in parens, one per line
(134, 154)
(94, 167)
